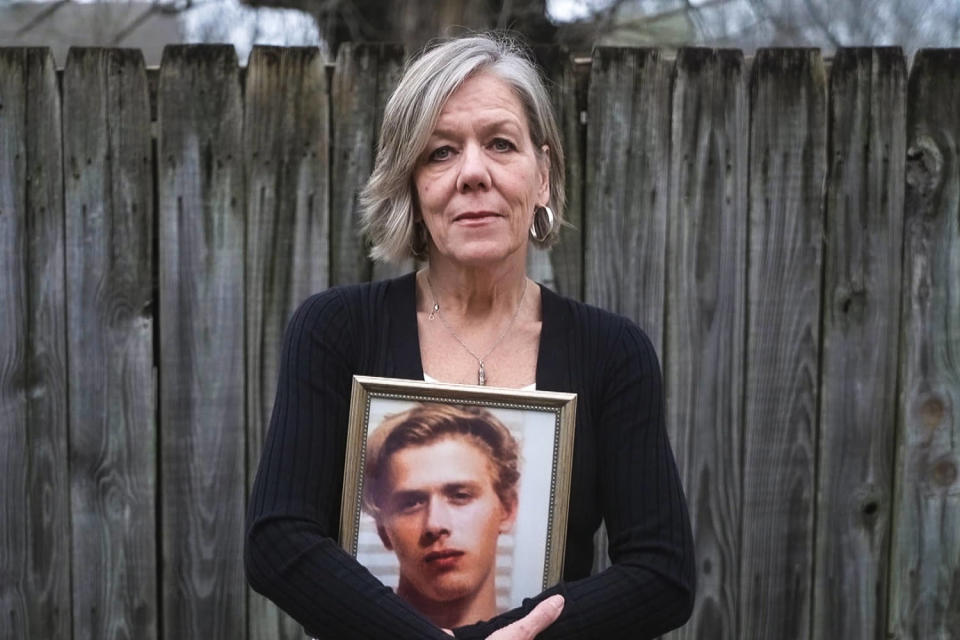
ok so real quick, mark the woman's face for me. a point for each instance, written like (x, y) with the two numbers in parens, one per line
(480, 176)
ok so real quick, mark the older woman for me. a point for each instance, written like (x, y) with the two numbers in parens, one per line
(469, 173)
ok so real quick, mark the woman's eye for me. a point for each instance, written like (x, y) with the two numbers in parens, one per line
(501, 144)
(439, 154)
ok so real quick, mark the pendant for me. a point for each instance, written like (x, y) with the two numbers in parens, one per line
(436, 310)
(481, 375)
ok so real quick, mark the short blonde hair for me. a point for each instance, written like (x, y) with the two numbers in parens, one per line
(388, 201)
(430, 422)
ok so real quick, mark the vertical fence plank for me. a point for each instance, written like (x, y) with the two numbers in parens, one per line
(628, 142)
(561, 267)
(925, 555)
(354, 100)
(286, 141)
(34, 491)
(787, 171)
(864, 216)
(389, 71)
(706, 311)
(626, 193)
(109, 231)
(201, 222)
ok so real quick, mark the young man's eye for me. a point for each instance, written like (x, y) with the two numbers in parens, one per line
(461, 496)
(408, 504)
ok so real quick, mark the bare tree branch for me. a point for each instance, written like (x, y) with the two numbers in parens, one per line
(40, 17)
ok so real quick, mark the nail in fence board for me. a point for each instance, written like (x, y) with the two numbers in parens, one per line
(34, 490)
(860, 317)
(109, 255)
(628, 140)
(706, 312)
(787, 172)
(286, 143)
(925, 556)
(201, 222)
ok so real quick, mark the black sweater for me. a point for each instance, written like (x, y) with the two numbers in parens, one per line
(623, 472)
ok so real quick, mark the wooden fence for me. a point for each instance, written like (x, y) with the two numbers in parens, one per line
(786, 229)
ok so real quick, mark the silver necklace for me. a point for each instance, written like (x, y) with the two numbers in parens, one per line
(435, 313)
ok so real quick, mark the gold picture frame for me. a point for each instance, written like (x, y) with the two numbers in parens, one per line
(541, 423)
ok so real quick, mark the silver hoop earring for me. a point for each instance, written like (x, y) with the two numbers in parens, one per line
(544, 223)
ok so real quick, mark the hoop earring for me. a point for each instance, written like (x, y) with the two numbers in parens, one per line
(544, 224)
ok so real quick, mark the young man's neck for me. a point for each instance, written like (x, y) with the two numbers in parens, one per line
(452, 613)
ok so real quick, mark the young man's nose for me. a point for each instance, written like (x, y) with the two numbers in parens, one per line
(438, 517)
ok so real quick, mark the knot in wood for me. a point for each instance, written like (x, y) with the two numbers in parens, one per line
(944, 472)
(924, 168)
(932, 411)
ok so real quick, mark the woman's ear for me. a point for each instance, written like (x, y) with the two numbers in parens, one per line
(544, 166)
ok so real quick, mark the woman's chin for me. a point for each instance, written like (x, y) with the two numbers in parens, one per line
(483, 255)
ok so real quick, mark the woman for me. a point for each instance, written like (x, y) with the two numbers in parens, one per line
(468, 173)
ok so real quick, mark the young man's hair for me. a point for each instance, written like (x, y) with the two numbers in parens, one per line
(430, 422)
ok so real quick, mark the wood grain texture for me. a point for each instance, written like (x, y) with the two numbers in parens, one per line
(706, 315)
(787, 173)
(201, 222)
(109, 257)
(628, 138)
(389, 72)
(864, 218)
(354, 101)
(286, 141)
(34, 489)
(925, 554)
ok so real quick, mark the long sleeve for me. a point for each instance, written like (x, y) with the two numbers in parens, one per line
(291, 554)
(649, 588)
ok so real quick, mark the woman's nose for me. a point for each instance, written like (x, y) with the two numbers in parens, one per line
(474, 173)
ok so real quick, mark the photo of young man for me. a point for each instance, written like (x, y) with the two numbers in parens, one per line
(440, 482)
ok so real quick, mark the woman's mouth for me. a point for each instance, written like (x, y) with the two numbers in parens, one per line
(475, 216)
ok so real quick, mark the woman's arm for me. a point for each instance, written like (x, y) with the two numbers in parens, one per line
(291, 554)
(649, 587)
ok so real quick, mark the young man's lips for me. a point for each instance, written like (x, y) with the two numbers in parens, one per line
(443, 558)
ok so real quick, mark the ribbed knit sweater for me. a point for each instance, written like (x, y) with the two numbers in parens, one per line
(623, 473)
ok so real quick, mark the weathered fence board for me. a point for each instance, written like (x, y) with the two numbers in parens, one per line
(109, 239)
(355, 80)
(706, 311)
(925, 555)
(286, 139)
(34, 487)
(861, 308)
(201, 222)
(628, 142)
(787, 171)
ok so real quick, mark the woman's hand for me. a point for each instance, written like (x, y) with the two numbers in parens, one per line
(527, 627)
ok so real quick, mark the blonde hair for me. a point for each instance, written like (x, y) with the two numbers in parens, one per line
(388, 202)
(430, 422)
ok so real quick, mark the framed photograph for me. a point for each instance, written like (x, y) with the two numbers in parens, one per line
(456, 496)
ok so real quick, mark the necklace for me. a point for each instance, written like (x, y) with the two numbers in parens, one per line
(435, 313)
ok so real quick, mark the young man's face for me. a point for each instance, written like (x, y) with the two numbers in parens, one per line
(441, 516)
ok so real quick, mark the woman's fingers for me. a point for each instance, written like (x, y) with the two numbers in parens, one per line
(527, 627)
